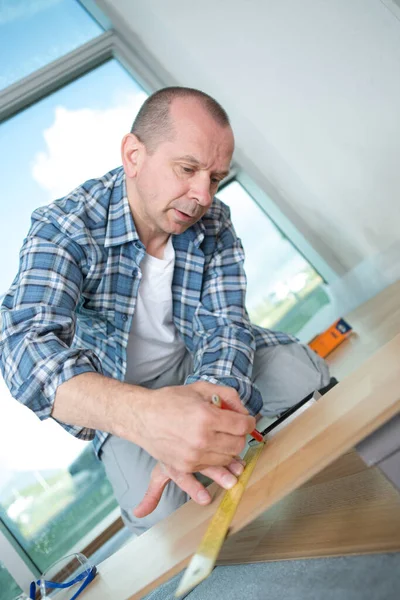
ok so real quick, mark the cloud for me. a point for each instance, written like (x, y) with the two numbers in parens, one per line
(12, 10)
(82, 144)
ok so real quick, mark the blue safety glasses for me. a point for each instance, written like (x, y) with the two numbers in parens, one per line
(66, 573)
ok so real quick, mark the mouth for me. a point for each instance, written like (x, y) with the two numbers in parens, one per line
(183, 216)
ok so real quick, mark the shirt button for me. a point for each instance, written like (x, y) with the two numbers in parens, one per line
(124, 317)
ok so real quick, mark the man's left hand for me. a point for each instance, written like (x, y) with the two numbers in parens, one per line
(226, 477)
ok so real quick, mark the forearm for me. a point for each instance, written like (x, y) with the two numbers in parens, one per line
(93, 401)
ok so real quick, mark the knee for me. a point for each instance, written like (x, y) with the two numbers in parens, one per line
(285, 374)
(275, 361)
(285, 362)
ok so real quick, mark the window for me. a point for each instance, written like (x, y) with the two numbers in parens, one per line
(44, 31)
(283, 290)
(59, 143)
(52, 501)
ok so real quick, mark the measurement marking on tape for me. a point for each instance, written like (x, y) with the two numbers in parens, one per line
(203, 561)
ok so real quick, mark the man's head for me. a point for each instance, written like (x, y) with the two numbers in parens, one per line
(153, 123)
(179, 149)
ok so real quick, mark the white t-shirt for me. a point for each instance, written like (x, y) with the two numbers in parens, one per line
(154, 344)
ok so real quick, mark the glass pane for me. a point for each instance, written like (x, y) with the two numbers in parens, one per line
(49, 500)
(57, 144)
(9, 589)
(33, 33)
(53, 490)
(283, 290)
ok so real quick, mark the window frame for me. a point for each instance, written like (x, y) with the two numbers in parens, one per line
(15, 559)
(70, 67)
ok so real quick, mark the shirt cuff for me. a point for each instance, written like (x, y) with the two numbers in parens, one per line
(248, 392)
(83, 362)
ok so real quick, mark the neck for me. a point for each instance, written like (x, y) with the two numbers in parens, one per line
(156, 247)
(153, 240)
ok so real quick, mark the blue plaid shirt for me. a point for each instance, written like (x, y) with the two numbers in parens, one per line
(70, 308)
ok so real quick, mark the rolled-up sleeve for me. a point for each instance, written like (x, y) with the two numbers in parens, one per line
(38, 324)
(224, 343)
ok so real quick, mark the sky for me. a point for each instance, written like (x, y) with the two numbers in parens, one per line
(55, 145)
(39, 31)
(67, 138)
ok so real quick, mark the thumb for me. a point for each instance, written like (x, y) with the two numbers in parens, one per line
(158, 480)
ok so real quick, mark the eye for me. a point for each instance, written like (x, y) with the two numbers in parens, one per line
(215, 181)
(187, 169)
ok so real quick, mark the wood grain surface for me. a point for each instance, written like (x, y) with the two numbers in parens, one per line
(346, 509)
(374, 324)
(364, 400)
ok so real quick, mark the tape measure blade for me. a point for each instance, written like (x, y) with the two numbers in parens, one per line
(203, 561)
(198, 569)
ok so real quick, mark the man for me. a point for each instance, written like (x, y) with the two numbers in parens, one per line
(128, 314)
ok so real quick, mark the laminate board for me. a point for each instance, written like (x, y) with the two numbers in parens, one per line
(345, 509)
(361, 403)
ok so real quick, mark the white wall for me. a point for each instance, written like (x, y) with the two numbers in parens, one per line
(313, 91)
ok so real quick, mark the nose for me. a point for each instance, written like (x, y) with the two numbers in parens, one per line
(200, 190)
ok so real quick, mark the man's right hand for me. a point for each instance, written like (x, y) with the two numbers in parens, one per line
(182, 428)
(177, 425)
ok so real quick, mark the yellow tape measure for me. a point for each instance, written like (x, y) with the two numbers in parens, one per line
(203, 561)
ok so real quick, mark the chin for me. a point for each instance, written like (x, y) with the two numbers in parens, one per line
(179, 228)
(176, 227)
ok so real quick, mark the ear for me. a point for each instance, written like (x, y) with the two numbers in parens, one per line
(132, 150)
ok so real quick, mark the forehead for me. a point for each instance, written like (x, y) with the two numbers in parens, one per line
(197, 132)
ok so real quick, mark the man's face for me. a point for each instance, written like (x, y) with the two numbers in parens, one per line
(175, 185)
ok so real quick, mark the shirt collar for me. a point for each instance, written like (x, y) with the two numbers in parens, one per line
(120, 226)
(195, 233)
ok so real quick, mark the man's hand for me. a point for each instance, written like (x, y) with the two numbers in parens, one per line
(178, 426)
(182, 428)
(162, 474)
(195, 435)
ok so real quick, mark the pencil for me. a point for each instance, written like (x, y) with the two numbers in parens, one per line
(221, 404)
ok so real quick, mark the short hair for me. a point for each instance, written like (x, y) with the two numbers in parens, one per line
(153, 123)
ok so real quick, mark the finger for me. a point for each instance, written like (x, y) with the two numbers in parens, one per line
(216, 460)
(236, 466)
(221, 475)
(227, 444)
(189, 484)
(232, 422)
(158, 480)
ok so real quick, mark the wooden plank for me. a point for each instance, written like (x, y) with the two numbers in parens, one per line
(348, 413)
(374, 323)
(346, 509)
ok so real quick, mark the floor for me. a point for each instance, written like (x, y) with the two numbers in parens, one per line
(368, 577)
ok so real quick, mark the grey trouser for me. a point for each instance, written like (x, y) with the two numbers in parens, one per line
(284, 375)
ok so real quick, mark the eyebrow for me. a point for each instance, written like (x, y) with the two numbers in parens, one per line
(194, 161)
